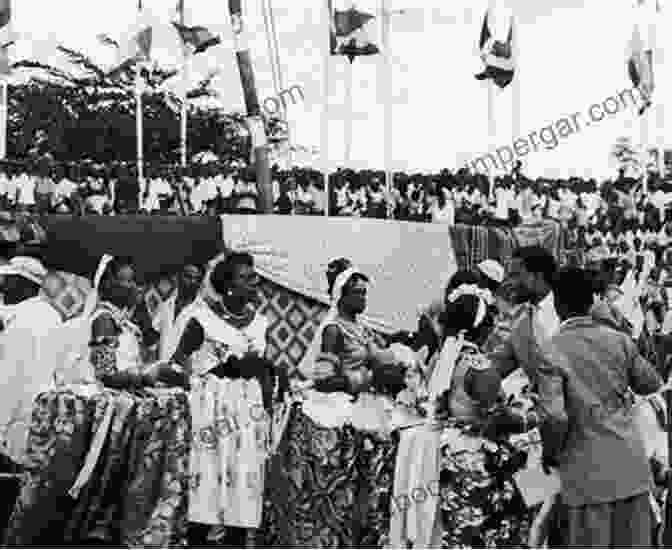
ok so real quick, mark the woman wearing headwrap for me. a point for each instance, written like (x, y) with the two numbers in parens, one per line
(116, 338)
(335, 461)
(481, 507)
(222, 348)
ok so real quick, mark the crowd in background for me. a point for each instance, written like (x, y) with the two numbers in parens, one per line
(622, 217)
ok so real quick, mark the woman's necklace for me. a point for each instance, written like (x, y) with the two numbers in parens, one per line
(239, 320)
(354, 329)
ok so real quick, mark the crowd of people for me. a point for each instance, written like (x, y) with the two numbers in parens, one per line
(325, 454)
(446, 197)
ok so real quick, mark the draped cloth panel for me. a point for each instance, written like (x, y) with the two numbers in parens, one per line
(548, 234)
(474, 243)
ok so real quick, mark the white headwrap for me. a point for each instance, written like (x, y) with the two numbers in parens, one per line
(92, 298)
(336, 293)
(207, 291)
(484, 298)
(341, 280)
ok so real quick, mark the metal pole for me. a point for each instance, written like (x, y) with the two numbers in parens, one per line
(324, 122)
(245, 68)
(138, 114)
(6, 12)
(138, 122)
(387, 83)
(185, 84)
(281, 80)
(348, 120)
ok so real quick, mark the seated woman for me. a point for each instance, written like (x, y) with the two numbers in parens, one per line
(232, 384)
(334, 464)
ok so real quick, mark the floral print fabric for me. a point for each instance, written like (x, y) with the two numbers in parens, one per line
(136, 496)
(482, 508)
(328, 487)
(230, 443)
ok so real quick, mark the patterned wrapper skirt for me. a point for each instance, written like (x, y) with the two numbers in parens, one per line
(135, 496)
(482, 508)
(328, 487)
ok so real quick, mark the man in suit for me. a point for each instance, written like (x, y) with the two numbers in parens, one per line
(588, 430)
(533, 271)
(521, 354)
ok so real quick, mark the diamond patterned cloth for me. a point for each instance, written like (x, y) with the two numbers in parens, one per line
(293, 319)
(409, 264)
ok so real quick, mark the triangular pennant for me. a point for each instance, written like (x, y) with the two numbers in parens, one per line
(349, 35)
(198, 38)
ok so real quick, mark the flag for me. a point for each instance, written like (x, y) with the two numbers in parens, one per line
(640, 60)
(497, 54)
(6, 35)
(107, 41)
(198, 38)
(349, 34)
(135, 48)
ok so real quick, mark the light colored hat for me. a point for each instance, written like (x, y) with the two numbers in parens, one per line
(492, 269)
(26, 267)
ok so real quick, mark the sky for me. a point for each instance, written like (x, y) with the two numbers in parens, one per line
(572, 55)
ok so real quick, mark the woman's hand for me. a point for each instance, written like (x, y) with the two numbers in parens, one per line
(359, 379)
(169, 374)
(380, 356)
(323, 370)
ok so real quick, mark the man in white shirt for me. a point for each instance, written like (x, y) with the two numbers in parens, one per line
(659, 199)
(11, 188)
(225, 184)
(28, 345)
(533, 271)
(26, 191)
(503, 197)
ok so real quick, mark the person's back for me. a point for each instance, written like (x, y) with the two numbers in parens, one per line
(604, 457)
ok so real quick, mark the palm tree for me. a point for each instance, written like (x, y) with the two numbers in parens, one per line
(86, 111)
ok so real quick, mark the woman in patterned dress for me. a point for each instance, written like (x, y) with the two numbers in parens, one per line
(222, 348)
(332, 472)
(481, 505)
(106, 455)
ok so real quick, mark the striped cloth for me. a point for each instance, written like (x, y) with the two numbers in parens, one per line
(546, 233)
(474, 243)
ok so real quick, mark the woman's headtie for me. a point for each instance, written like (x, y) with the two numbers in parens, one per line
(484, 297)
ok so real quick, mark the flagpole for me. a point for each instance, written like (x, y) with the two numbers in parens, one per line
(4, 86)
(657, 107)
(324, 122)
(281, 80)
(644, 128)
(348, 120)
(387, 83)
(138, 114)
(246, 71)
(185, 85)
(515, 95)
(492, 118)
